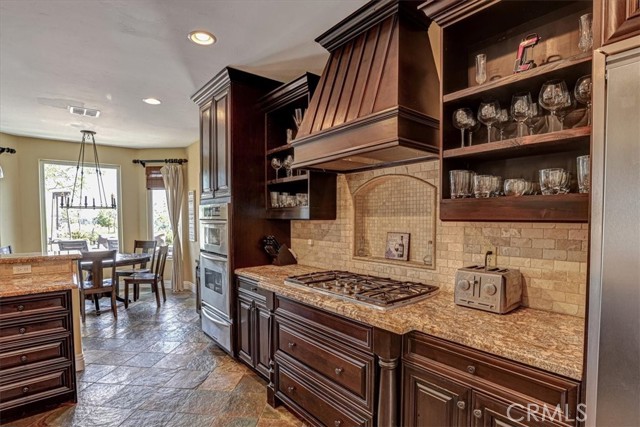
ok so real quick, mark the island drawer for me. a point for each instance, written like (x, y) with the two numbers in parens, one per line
(315, 402)
(30, 355)
(488, 372)
(53, 302)
(29, 328)
(349, 369)
(332, 326)
(36, 386)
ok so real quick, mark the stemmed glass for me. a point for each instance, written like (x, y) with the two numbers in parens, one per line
(531, 116)
(475, 125)
(288, 161)
(520, 109)
(553, 96)
(582, 92)
(276, 163)
(463, 120)
(503, 119)
(565, 109)
(488, 115)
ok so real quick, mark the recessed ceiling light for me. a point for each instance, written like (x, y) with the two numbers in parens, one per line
(204, 38)
(152, 101)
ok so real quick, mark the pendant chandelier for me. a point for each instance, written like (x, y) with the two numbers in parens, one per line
(79, 200)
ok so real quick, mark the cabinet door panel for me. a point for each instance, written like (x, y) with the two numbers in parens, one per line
(490, 412)
(221, 141)
(620, 20)
(431, 400)
(262, 327)
(245, 320)
(206, 188)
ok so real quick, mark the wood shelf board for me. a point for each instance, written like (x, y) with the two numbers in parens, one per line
(288, 179)
(543, 72)
(535, 144)
(298, 212)
(539, 208)
(287, 147)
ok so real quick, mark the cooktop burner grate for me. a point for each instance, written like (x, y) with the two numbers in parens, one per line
(371, 290)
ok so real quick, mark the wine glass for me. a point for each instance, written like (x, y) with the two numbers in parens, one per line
(276, 163)
(520, 109)
(553, 96)
(565, 109)
(475, 125)
(288, 161)
(531, 116)
(462, 119)
(582, 92)
(488, 115)
(503, 119)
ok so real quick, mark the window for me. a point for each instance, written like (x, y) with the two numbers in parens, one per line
(98, 227)
(160, 223)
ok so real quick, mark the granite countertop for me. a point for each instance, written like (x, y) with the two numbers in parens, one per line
(545, 340)
(37, 283)
(39, 257)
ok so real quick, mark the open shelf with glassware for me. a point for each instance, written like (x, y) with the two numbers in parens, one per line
(292, 194)
(493, 122)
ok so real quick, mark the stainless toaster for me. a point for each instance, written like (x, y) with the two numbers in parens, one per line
(494, 289)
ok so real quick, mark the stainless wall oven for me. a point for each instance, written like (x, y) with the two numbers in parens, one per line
(215, 277)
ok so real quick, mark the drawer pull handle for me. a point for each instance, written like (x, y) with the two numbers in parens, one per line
(338, 371)
(461, 404)
(337, 423)
(22, 330)
(291, 344)
(254, 289)
(23, 358)
(477, 413)
(471, 369)
(20, 307)
(25, 389)
(291, 389)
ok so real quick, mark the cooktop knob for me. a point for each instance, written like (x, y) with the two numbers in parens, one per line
(464, 285)
(490, 289)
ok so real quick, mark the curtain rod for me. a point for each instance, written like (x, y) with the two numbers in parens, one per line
(144, 162)
(7, 150)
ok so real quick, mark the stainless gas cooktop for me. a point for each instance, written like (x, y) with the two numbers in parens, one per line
(378, 292)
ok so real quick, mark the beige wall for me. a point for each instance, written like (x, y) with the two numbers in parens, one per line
(20, 222)
(551, 257)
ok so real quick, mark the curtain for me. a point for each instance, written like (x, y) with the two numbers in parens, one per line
(174, 187)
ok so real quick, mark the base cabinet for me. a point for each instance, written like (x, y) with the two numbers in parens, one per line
(254, 324)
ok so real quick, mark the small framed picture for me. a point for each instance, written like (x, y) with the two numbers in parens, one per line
(397, 246)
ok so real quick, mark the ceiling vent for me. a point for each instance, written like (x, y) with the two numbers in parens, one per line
(81, 111)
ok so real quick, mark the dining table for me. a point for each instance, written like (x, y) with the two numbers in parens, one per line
(122, 260)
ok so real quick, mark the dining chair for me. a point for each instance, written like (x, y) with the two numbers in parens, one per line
(73, 245)
(96, 284)
(5, 250)
(152, 278)
(139, 246)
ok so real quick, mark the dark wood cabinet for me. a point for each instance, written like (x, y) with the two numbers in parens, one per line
(618, 19)
(206, 179)
(433, 400)
(254, 325)
(464, 35)
(220, 141)
(37, 366)
(319, 188)
(449, 384)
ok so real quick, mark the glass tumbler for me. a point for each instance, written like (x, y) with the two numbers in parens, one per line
(482, 186)
(554, 181)
(496, 185)
(481, 68)
(274, 199)
(515, 187)
(584, 177)
(460, 182)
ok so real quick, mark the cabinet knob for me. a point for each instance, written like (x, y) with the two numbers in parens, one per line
(471, 369)
(23, 358)
(25, 389)
(291, 389)
(291, 344)
(337, 423)
(477, 413)
(254, 289)
(461, 404)
(22, 330)
(20, 307)
(338, 371)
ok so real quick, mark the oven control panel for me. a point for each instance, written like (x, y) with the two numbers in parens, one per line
(497, 290)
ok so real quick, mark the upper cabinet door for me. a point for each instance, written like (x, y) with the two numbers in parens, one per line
(620, 19)
(220, 145)
(206, 187)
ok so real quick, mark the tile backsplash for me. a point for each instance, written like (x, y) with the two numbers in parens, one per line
(551, 257)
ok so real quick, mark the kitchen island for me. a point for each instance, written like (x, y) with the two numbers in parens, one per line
(40, 339)
(525, 356)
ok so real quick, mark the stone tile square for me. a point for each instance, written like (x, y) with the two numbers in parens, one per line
(191, 420)
(98, 394)
(187, 379)
(221, 380)
(205, 402)
(142, 418)
(93, 373)
(166, 399)
(144, 360)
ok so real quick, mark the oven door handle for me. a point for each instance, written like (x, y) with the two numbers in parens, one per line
(212, 257)
(216, 321)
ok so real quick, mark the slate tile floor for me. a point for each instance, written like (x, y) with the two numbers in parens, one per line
(154, 367)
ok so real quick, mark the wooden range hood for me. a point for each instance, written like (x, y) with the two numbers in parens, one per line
(377, 102)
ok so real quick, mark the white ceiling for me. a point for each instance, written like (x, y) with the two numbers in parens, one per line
(110, 54)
